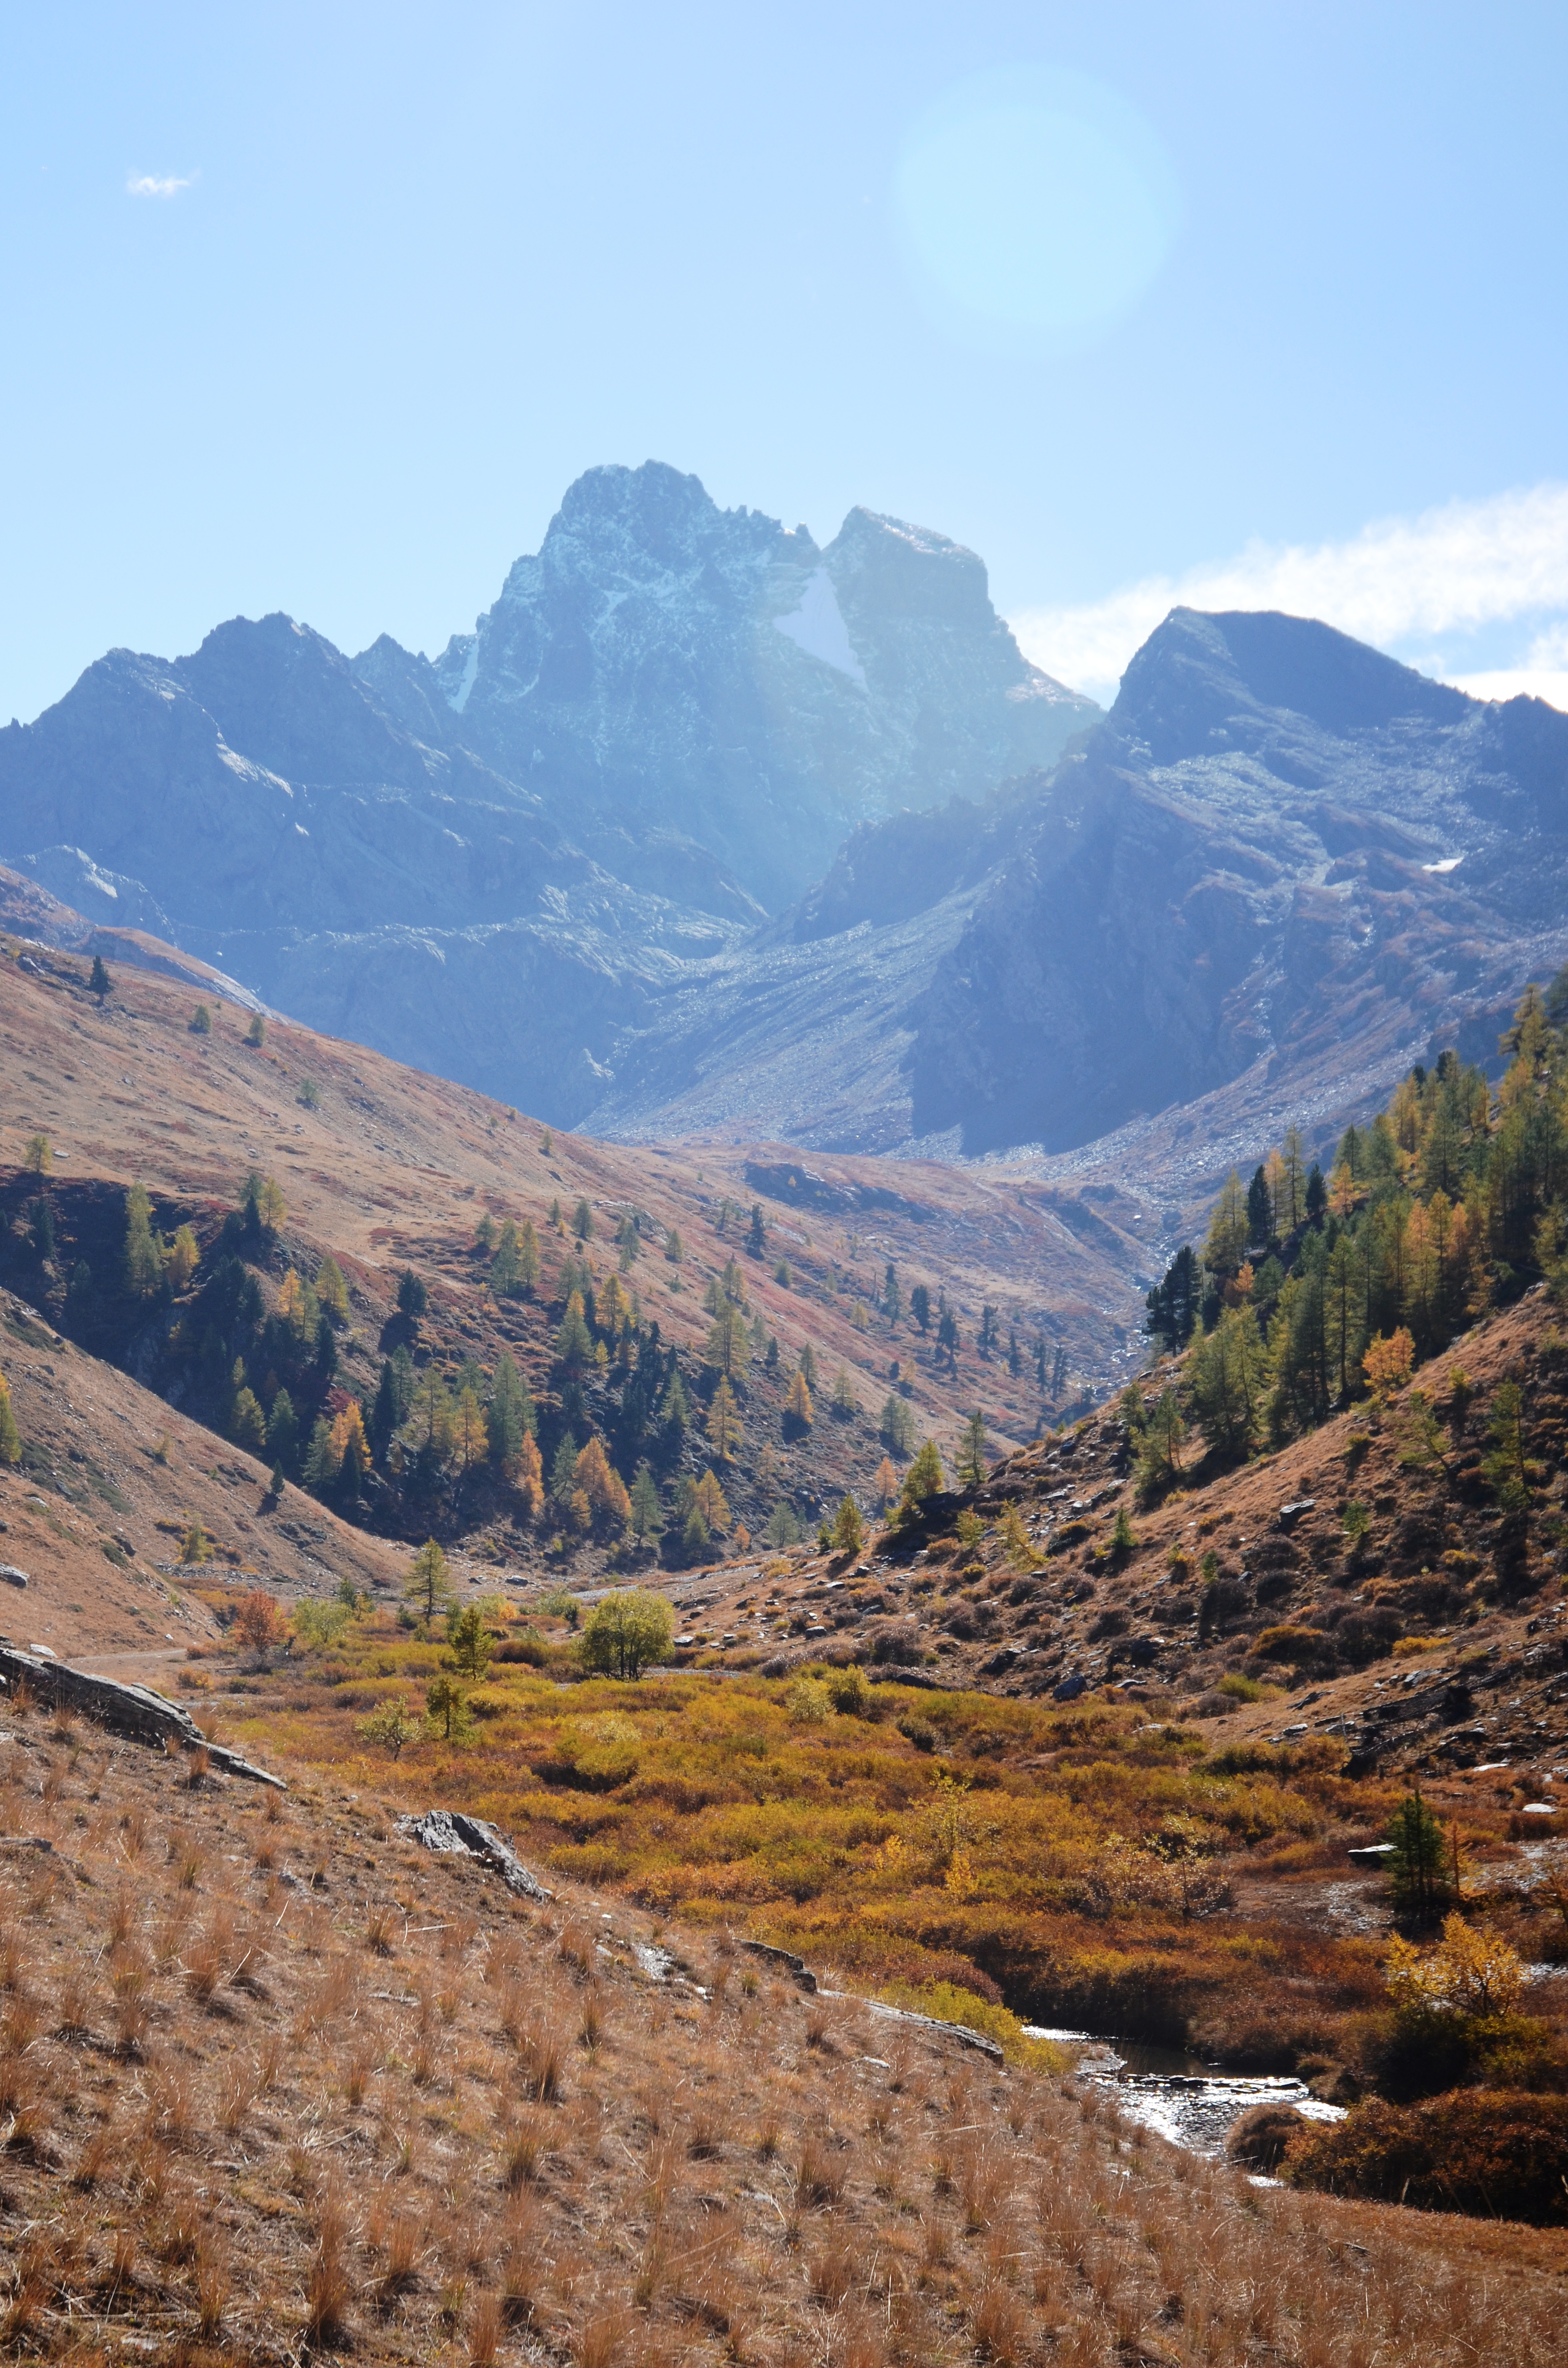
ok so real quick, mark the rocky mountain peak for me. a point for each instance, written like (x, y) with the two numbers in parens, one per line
(661, 514)
(884, 566)
(1202, 675)
(661, 663)
(280, 691)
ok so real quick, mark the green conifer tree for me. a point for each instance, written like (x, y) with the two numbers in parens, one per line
(470, 1640)
(510, 1411)
(783, 1529)
(674, 1408)
(321, 1463)
(447, 1718)
(247, 1423)
(971, 1464)
(848, 1529)
(1419, 1863)
(924, 1477)
(428, 1587)
(564, 1469)
(573, 1342)
(505, 1266)
(283, 1432)
(647, 1522)
(897, 1424)
(144, 1256)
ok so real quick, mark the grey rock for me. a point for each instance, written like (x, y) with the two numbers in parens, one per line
(975, 2040)
(795, 1967)
(111, 897)
(454, 1834)
(135, 1710)
(11, 1577)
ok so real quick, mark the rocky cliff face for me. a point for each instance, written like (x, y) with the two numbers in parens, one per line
(662, 664)
(1278, 872)
(1276, 841)
(392, 891)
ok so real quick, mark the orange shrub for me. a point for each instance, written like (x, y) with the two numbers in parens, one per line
(258, 1621)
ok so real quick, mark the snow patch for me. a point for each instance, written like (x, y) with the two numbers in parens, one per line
(1449, 863)
(817, 627)
(458, 699)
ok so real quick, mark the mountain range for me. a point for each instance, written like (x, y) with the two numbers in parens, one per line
(707, 831)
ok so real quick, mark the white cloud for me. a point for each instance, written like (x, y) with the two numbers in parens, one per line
(156, 185)
(1451, 570)
(1515, 682)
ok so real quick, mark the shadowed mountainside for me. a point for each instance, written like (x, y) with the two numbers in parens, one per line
(1278, 870)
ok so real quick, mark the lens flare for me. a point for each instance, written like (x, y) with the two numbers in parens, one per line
(1036, 205)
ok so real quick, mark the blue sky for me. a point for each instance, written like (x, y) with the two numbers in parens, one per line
(322, 308)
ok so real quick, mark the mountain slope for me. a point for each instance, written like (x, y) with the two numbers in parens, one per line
(1276, 835)
(387, 1170)
(1275, 874)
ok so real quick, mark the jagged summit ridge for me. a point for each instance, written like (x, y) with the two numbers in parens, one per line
(502, 865)
(661, 660)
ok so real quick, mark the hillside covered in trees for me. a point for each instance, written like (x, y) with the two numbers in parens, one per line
(436, 1317)
(1310, 1291)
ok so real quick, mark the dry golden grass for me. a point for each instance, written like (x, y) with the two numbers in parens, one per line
(231, 2130)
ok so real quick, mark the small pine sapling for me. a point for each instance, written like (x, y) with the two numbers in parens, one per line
(447, 1718)
(469, 1641)
(848, 1529)
(392, 1726)
(1015, 1537)
(429, 1586)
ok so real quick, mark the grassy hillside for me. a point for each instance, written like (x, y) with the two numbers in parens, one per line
(389, 1173)
(275, 2081)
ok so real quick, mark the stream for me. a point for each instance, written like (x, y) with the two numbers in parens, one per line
(1184, 2099)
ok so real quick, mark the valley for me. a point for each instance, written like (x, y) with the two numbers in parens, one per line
(388, 1172)
(661, 1240)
